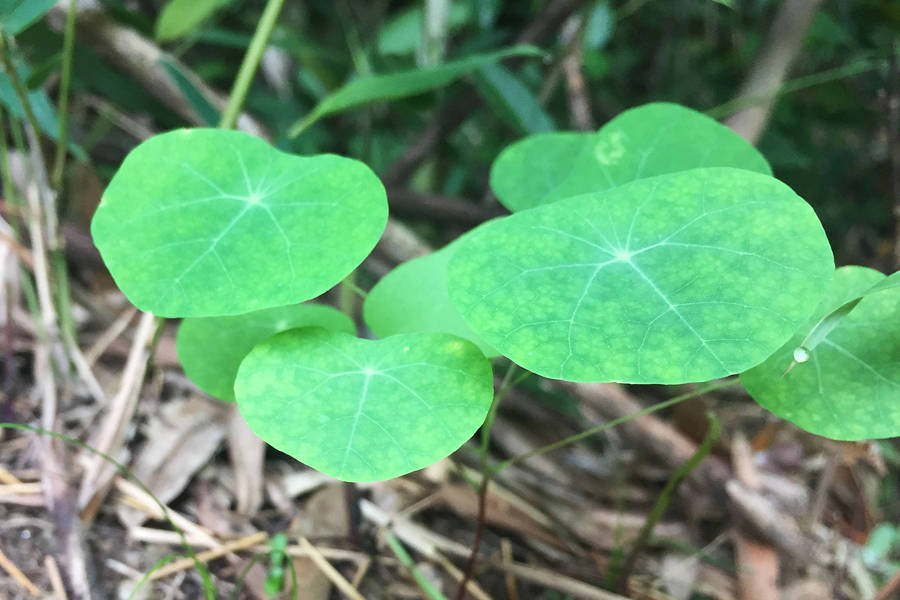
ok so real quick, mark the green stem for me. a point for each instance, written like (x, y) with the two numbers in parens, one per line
(251, 62)
(403, 556)
(505, 386)
(59, 163)
(662, 502)
(794, 85)
(610, 424)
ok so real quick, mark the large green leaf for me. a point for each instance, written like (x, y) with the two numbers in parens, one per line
(649, 140)
(849, 387)
(413, 299)
(206, 222)
(681, 277)
(400, 85)
(180, 17)
(211, 348)
(363, 410)
(17, 15)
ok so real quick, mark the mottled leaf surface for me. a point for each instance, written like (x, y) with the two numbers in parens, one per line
(206, 222)
(682, 277)
(849, 389)
(211, 348)
(413, 298)
(645, 141)
(363, 410)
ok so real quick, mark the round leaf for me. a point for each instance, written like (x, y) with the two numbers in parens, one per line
(413, 299)
(645, 141)
(206, 222)
(682, 277)
(211, 348)
(849, 387)
(363, 410)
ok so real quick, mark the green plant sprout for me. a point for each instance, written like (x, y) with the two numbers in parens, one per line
(659, 250)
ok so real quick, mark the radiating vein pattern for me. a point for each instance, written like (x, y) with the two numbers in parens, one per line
(208, 222)
(363, 410)
(680, 277)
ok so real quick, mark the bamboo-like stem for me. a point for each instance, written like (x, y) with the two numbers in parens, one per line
(59, 164)
(252, 58)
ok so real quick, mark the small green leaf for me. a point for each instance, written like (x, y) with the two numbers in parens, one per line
(363, 410)
(402, 33)
(400, 85)
(681, 277)
(849, 388)
(211, 348)
(180, 17)
(18, 15)
(206, 222)
(649, 140)
(413, 299)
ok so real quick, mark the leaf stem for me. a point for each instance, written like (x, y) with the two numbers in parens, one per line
(406, 560)
(505, 385)
(252, 58)
(610, 424)
(59, 162)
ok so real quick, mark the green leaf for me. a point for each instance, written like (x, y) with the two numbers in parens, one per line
(207, 222)
(180, 17)
(211, 348)
(402, 33)
(191, 92)
(400, 85)
(512, 100)
(363, 410)
(413, 298)
(17, 15)
(649, 140)
(681, 277)
(849, 389)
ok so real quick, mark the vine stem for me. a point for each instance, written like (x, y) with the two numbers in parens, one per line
(486, 473)
(615, 422)
(252, 58)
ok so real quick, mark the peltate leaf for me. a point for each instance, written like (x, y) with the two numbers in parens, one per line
(206, 222)
(649, 140)
(681, 277)
(413, 299)
(211, 348)
(363, 410)
(849, 388)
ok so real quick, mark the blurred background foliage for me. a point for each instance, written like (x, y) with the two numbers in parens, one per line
(828, 140)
